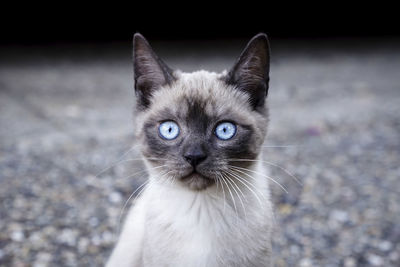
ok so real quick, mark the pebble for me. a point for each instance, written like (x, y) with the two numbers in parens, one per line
(294, 250)
(42, 259)
(385, 245)
(350, 262)
(96, 240)
(340, 216)
(107, 237)
(375, 260)
(305, 262)
(69, 257)
(83, 244)
(17, 236)
(394, 256)
(67, 128)
(115, 197)
(68, 237)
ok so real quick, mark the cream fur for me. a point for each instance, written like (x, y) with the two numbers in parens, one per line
(170, 225)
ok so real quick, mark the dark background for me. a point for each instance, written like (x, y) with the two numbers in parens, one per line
(83, 23)
(66, 123)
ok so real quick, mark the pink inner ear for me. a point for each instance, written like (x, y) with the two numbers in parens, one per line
(150, 71)
(251, 71)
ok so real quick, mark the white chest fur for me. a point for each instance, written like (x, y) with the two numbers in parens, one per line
(174, 226)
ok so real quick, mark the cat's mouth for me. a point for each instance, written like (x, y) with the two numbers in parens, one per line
(197, 181)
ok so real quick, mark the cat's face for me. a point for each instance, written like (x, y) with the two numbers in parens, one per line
(195, 126)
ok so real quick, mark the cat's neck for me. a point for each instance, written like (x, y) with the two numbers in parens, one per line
(246, 193)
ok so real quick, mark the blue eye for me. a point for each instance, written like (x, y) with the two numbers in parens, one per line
(225, 130)
(168, 130)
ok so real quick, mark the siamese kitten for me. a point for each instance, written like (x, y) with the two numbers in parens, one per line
(207, 199)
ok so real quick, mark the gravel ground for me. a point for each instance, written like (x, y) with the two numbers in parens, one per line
(66, 115)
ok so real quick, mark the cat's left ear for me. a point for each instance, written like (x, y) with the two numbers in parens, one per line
(150, 72)
(251, 71)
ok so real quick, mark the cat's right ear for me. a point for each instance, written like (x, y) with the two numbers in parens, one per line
(150, 72)
(250, 73)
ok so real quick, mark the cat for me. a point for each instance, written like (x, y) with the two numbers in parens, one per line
(207, 201)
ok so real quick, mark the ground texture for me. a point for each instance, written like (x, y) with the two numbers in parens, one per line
(66, 114)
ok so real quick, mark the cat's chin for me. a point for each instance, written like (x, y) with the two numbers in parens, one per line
(196, 181)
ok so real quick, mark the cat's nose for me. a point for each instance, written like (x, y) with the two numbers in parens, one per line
(195, 155)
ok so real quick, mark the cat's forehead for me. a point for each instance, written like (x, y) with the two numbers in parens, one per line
(201, 89)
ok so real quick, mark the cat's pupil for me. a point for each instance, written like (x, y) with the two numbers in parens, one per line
(169, 129)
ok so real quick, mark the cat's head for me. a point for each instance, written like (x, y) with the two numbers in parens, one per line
(195, 126)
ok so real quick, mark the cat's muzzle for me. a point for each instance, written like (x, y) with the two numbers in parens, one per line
(197, 181)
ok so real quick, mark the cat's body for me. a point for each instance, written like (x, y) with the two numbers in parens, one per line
(207, 200)
(177, 227)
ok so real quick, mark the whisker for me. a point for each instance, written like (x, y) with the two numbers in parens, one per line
(230, 193)
(115, 164)
(234, 171)
(272, 179)
(119, 159)
(143, 185)
(282, 146)
(240, 199)
(223, 190)
(145, 170)
(122, 161)
(242, 180)
(170, 179)
(128, 151)
(285, 170)
(272, 164)
(139, 189)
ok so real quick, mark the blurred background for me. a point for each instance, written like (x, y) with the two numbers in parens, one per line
(66, 126)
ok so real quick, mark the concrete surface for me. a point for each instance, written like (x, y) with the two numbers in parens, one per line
(66, 114)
